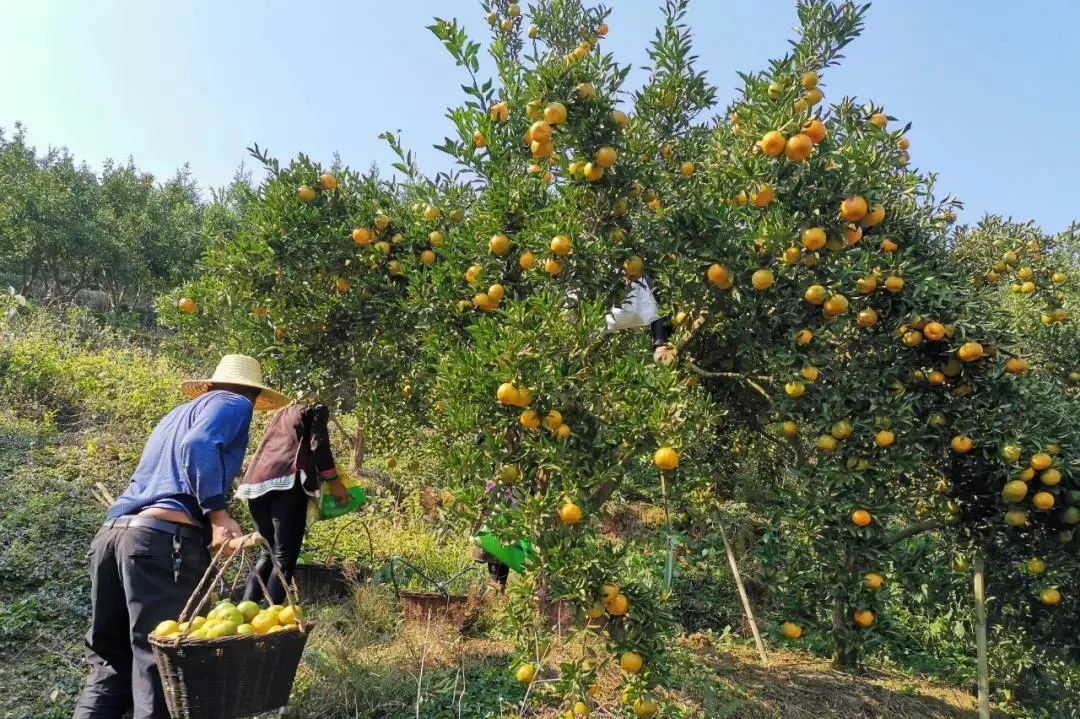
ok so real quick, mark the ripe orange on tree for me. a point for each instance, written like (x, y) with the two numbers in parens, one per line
(864, 618)
(1041, 461)
(561, 245)
(617, 605)
(773, 143)
(1042, 501)
(875, 215)
(762, 196)
(835, 305)
(631, 662)
(762, 279)
(798, 147)
(525, 674)
(1050, 596)
(970, 351)
(187, 305)
(861, 517)
(361, 236)
(666, 458)
(934, 331)
(1050, 477)
(327, 181)
(813, 238)
(961, 443)
(499, 244)
(555, 113)
(605, 157)
(873, 581)
(867, 317)
(569, 513)
(530, 419)
(1016, 365)
(885, 438)
(791, 630)
(306, 194)
(718, 275)
(852, 234)
(815, 130)
(853, 208)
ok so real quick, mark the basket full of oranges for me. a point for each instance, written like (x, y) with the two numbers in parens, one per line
(235, 660)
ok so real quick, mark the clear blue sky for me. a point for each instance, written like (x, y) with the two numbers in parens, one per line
(990, 87)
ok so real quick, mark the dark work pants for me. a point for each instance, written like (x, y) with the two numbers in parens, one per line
(132, 590)
(280, 517)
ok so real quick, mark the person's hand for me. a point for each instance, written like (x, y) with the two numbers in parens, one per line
(224, 528)
(663, 355)
(341, 494)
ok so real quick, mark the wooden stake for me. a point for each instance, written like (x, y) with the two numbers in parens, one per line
(980, 639)
(745, 599)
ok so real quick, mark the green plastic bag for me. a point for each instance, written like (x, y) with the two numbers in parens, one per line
(512, 555)
(329, 507)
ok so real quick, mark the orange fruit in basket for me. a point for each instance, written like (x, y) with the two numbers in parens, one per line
(245, 630)
(168, 628)
(195, 624)
(231, 614)
(290, 615)
(248, 609)
(223, 629)
(276, 628)
(263, 622)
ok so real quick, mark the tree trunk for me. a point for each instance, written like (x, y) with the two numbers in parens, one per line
(356, 457)
(845, 654)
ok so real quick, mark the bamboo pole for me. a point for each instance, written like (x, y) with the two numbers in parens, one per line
(980, 639)
(745, 599)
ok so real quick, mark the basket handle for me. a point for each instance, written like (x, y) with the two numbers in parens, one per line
(226, 553)
(441, 587)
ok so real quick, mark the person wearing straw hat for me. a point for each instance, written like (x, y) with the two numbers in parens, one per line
(150, 554)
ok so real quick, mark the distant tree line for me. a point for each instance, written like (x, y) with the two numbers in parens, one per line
(118, 236)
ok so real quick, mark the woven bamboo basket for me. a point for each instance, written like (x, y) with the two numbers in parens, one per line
(456, 610)
(229, 677)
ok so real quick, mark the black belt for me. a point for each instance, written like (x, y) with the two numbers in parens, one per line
(160, 525)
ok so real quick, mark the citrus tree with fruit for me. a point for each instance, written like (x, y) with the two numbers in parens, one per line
(544, 414)
(824, 314)
(818, 297)
(313, 281)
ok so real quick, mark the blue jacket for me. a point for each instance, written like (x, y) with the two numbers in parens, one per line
(191, 457)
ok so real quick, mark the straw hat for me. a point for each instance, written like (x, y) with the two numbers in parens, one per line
(239, 370)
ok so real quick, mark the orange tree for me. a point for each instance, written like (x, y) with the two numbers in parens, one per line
(543, 415)
(312, 280)
(816, 292)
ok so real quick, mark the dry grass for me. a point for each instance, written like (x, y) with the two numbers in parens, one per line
(374, 663)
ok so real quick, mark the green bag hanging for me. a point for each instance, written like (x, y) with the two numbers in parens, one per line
(329, 507)
(512, 555)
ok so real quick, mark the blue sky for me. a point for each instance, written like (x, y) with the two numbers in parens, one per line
(988, 86)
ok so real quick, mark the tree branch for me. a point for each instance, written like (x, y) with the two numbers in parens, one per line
(745, 379)
(917, 528)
